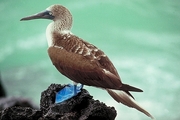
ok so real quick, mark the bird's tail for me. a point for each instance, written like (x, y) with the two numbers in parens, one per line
(126, 99)
(126, 87)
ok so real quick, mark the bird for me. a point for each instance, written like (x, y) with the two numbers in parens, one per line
(81, 61)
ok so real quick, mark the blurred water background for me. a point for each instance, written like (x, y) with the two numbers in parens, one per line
(141, 37)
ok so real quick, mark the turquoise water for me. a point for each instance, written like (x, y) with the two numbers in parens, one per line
(141, 37)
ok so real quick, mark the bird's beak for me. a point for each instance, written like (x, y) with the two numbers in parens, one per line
(42, 15)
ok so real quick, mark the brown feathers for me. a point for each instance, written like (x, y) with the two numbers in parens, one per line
(83, 62)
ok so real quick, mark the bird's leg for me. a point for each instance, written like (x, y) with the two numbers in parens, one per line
(68, 92)
(81, 86)
(75, 88)
(75, 91)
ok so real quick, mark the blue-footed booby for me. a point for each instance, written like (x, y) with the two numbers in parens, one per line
(81, 61)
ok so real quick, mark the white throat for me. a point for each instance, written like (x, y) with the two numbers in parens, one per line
(49, 37)
(49, 33)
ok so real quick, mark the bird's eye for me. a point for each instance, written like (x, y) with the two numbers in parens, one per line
(50, 13)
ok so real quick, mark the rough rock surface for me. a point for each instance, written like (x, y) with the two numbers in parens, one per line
(20, 113)
(6, 102)
(80, 107)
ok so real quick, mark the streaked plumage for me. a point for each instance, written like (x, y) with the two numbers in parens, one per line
(81, 61)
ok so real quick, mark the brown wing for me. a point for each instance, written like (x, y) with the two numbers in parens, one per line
(102, 59)
(84, 63)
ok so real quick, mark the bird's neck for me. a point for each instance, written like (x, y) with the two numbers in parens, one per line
(55, 28)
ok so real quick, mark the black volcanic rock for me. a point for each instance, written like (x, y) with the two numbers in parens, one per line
(2, 90)
(80, 107)
(20, 113)
(6, 102)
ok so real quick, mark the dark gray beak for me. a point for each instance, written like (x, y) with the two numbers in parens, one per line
(42, 15)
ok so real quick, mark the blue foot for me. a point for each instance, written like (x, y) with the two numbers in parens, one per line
(67, 92)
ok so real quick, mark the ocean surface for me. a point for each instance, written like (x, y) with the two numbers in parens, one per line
(141, 37)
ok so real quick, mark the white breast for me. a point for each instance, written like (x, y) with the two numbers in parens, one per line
(49, 34)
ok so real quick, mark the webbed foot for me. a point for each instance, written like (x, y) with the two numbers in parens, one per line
(67, 92)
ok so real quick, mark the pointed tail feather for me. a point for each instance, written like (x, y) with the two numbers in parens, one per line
(126, 87)
(124, 98)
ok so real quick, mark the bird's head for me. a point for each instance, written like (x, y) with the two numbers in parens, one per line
(58, 13)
